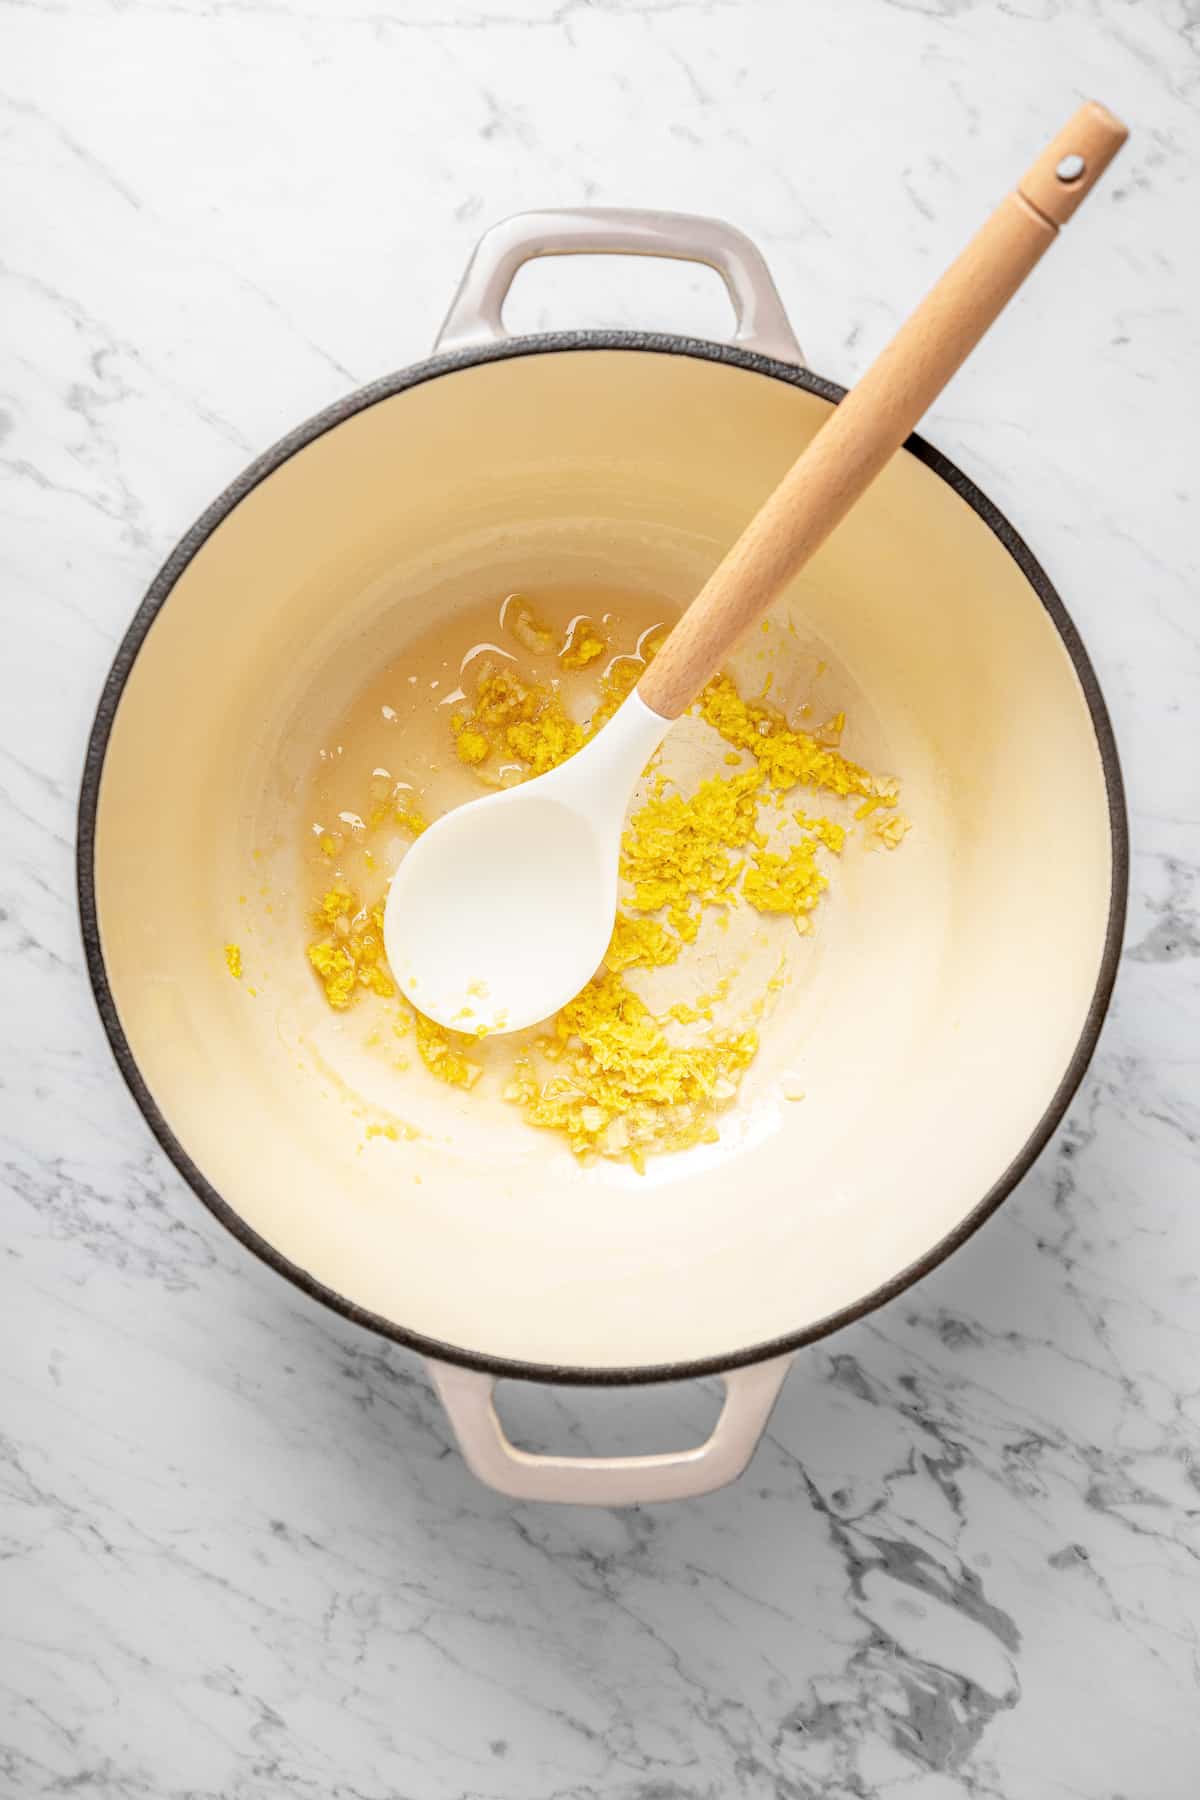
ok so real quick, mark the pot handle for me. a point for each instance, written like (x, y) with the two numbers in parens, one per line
(475, 312)
(750, 1395)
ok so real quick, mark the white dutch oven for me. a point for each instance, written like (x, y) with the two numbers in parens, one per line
(954, 991)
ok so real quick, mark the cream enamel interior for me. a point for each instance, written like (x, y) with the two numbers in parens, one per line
(944, 991)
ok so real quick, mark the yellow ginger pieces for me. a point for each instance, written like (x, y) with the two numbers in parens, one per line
(404, 813)
(349, 957)
(444, 1053)
(613, 1083)
(620, 679)
(611, 1077)
(584, 642)
(519, 618)
(512, 718)
(824, 830)
(788, 757)
(527, 720)
(786, 884)
(891, 830)
(584, 646)
(640, 944)
(677, 850)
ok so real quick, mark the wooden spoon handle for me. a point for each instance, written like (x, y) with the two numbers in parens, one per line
(874, 419)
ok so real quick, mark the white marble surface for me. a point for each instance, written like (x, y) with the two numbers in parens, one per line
(237, 1557)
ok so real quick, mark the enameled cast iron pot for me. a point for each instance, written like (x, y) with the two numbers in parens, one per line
(953, 992)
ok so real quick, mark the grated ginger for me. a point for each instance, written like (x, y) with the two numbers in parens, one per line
(640, 944)
(583, 646)
(444, 1052)
(351, 961)
(617, 1086)
(609, 1075)
(400, 810)
(786, 884)
(519, 618)
(518, 719)
(832, 836)
(788, 757)
(350, 955)
(676, 850)
(891, 831)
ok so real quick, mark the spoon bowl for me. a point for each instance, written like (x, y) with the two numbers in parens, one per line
(502, 909)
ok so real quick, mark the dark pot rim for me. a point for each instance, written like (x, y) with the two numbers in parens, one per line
(157, 595)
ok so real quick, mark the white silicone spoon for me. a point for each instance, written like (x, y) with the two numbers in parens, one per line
(503, 909)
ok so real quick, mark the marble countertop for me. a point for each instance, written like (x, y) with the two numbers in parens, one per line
(238, 1557)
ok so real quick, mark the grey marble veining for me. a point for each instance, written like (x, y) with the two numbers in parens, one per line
(239, 1556)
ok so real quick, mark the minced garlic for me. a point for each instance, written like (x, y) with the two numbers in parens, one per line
(620, 679)
(832, 836)
(583, 646)
(676, 850)
(520, 619)
(640, 944)
(614, 1084)
(443, 1053)
(683, 1014)
(350, 955)
(890, 831)
(517, 719)
(786, 884)
(787, 757)
(401, 810)
(350, 960)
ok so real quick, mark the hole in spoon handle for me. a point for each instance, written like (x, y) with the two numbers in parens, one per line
(1072, 163)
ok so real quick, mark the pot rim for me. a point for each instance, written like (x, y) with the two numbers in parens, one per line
(550, 343)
